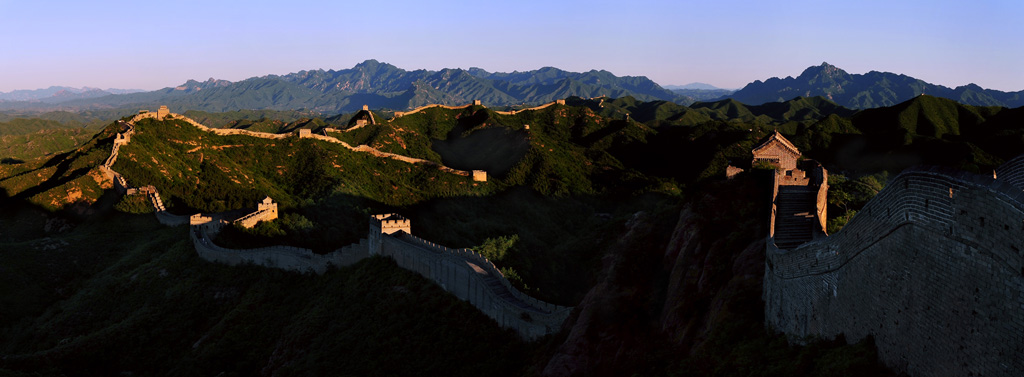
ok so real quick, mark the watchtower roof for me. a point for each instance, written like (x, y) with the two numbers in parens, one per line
(776, 137)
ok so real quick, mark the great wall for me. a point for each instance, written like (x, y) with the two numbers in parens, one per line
(932, 268)
(462, 272)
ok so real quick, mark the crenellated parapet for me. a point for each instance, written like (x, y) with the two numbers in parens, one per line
(391, 223)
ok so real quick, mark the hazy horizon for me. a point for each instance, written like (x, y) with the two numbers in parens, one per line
(118, 44)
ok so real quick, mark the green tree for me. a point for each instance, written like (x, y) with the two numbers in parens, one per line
(496, 249)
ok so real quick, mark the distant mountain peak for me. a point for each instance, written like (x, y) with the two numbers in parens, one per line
(824, 70)
(373, 65)
(859, 91)
(693, 86)
(193, 85)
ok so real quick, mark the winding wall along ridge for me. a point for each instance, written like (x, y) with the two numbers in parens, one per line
(462, 272)
(121, 183)
(399, 114)
(329, 139)
(541, 107)
(932, 268)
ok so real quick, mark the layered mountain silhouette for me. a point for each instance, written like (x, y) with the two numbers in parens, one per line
(384, 86)
(869, 90)
(56, 94)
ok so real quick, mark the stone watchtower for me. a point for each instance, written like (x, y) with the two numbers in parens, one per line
(162, 113)
(269, 206)
(778, 151)
(799, 193)
(388, 223)
(365, 117)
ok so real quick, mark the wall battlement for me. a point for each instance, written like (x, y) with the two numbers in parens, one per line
(391, 223)
(931, 267)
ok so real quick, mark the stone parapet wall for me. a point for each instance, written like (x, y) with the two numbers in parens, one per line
(932, 268)
(250, 220)
(169, 219)
(1012, 172)
(281, 257)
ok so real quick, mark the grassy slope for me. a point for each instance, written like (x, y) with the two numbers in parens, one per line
(67, 179)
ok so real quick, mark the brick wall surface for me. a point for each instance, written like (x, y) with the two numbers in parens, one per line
(932, 268)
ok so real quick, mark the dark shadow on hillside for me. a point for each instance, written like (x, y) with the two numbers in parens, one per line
(590, 139)
(11, 161)
(471, 147)
(326, 225)
(682, 153)
(560, 239)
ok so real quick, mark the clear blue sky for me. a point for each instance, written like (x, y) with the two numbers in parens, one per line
(150, 45)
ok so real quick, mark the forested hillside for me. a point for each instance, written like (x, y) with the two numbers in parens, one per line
(618, 207)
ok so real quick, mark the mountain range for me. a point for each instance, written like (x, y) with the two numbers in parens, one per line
(385, 86)
(869, 90)
(382, 85)
(56, 94)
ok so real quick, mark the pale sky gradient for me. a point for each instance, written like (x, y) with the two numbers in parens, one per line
(151, 45)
